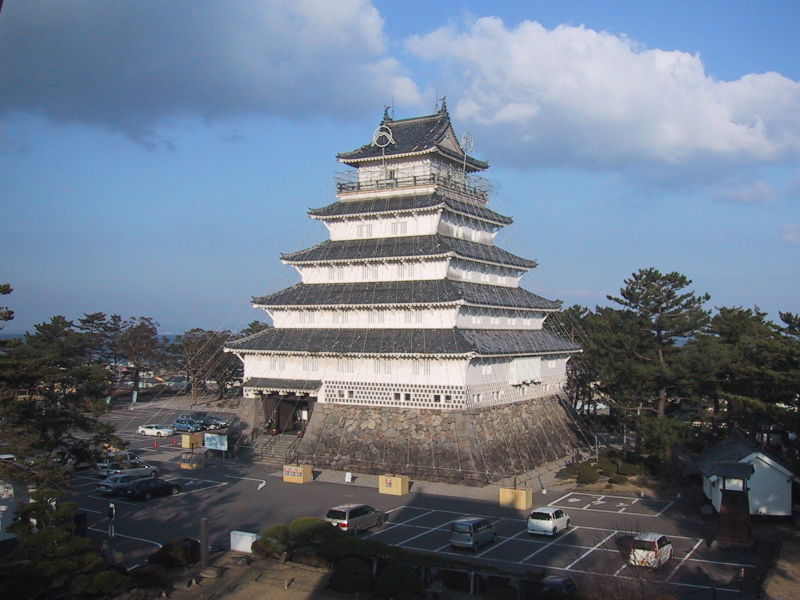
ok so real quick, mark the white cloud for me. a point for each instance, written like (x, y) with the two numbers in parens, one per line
(756, 192)
(129, 65)
(577, 96)
(791, 233)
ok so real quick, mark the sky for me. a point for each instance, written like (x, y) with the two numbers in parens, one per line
(156, 158)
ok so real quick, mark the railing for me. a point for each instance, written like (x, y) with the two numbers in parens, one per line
(470, 185)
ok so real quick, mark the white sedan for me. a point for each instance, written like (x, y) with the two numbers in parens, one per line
(156, 430)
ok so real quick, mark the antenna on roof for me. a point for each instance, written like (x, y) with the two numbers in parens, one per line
(466, 145)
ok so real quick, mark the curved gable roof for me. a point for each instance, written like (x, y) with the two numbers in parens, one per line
(417, 135)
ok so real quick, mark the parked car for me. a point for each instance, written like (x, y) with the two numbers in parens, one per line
(110, 486)
(156, 430)
(557, 586)
(135, 468)
(354, 518)
(194, 416)
(145, 489)
(215, 422)
(472, 533)
(187, 425)
(649, 550)
(547, 520)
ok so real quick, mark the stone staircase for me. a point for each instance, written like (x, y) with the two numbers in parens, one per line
(273, 449)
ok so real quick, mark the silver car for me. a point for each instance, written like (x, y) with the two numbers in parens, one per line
(136, 468)
(471, 533)
(354, 518)
(110, 486)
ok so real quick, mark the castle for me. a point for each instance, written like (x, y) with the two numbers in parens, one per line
(409, 346)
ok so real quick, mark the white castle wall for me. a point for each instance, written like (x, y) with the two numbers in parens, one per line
(383, 227)
(374, 270)
(367, 318)
(463, 317)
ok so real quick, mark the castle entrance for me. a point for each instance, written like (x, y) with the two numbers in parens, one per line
(288, 413)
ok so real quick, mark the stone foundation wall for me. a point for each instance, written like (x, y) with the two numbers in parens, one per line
(478, 445)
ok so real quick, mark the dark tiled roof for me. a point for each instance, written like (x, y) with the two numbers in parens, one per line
(730, 470)
(436, 291)
(732, 449)
(405, 341)
(291, 385)
(407, 203)
(411, 246)
(419, 134)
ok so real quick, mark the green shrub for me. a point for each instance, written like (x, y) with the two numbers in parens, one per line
(105, 583)
(607, 466)
(180, 552)
(456, 580)
(149, 576)
(313, 557)
(305, 531)
(273, 542)
(628, 469)
(398, 580)
(618, 479)
(351, 575)
(568, 472)
(586, 474)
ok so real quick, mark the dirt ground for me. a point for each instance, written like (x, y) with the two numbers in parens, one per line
(258, 579)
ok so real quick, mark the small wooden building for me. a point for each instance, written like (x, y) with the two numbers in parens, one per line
(736, 463)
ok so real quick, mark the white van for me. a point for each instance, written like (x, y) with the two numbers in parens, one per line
(650, 550)
(547, 520)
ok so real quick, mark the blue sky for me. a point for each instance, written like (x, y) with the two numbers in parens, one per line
(157, 157)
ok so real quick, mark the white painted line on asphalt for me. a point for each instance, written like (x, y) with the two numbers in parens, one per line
(504, 541)
(395, 525)
(617, 572)
(261, 482)
(547, 545)
(560, 499)
(130, 537)
(683, 560)
(658, 514)
(585, 554)
(99, 512)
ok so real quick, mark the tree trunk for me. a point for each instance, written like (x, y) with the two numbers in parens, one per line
(662, 391)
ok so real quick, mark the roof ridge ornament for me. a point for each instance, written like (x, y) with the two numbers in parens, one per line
(382, 137)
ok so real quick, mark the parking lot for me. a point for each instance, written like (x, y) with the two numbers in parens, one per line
(582, 549)
(248, 497)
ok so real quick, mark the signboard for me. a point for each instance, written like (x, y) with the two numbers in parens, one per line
(215, 441)
(297, 473)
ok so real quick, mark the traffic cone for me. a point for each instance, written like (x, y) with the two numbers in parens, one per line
(155, 443)
(174, 441)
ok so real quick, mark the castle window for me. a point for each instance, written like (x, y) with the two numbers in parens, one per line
(397, 396)
(407, 397)
(437, 397)
(422, 367)
(350, 394)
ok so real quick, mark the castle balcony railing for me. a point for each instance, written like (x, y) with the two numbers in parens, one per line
(469, 185)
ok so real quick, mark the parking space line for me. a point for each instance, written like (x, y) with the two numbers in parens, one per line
(395, 525)
(130, 537)
(683, 560)
(504, 541)
(548, 544)
(421, 534)
(567, 495)
(658, 514)
(600, 543)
